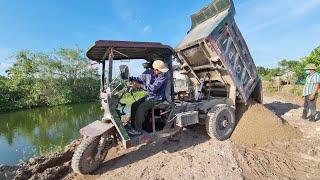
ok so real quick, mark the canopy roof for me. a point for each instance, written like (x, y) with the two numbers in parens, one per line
(129, 50)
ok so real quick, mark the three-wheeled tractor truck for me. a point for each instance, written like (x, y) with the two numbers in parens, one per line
(213, 56)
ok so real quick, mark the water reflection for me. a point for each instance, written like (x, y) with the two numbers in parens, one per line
(28, 132)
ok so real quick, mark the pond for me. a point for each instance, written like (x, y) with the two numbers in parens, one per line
(26, 133)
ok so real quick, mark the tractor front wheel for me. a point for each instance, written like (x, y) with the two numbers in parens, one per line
(85, 159)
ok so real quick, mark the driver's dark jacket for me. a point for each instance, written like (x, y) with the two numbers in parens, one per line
(154, 85)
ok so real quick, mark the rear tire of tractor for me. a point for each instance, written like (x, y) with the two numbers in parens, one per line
(83, 160)
(221, 122)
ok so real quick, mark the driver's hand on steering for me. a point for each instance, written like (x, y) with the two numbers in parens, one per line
(136, 85)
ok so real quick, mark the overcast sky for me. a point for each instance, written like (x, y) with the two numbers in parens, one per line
(273, 29)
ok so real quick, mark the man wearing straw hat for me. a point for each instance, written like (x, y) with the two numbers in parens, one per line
(155, 84)
(310, 92)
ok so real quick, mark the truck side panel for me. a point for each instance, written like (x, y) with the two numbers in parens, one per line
(235, 56)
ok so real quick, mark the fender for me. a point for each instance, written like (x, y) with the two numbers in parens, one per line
(97, 128)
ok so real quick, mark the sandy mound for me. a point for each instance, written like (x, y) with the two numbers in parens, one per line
(292, 159)
(258, 126)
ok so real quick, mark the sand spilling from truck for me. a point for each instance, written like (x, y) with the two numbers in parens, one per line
(286, 155)
(258, 125)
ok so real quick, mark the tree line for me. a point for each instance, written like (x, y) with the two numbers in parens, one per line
(62, 76)
(295, 66)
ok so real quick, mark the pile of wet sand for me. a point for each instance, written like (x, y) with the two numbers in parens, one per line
(257, 126)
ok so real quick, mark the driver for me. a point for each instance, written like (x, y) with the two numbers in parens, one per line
(154, 81)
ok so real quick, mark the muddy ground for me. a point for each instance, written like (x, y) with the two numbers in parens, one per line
(56, 166)
(193, 155)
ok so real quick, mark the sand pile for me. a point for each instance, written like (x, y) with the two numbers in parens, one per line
(258, 126)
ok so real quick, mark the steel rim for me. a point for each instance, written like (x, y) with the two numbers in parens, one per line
(224, 121)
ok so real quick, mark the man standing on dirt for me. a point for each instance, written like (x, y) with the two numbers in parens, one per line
(310, 92)
(154, 82)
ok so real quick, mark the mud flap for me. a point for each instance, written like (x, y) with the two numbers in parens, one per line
(97, 128)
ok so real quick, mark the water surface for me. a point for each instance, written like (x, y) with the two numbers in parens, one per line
(26, 133)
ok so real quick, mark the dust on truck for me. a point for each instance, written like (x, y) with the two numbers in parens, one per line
(215, 56)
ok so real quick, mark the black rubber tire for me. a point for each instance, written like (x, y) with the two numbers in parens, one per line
(215, 126)
(87, 148)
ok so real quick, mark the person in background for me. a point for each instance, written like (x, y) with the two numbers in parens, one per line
(310, 92)
(154, 80)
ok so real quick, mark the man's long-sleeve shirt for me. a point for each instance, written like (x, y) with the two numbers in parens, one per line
(154, 85)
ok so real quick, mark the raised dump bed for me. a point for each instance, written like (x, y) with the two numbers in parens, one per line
(215, 56)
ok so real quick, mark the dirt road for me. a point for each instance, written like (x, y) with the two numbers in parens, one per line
(185, 156)
(192, 155)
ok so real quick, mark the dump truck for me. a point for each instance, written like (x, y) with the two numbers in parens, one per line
(216, 74)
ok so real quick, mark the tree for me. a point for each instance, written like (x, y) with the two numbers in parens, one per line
(314, 58)
(262, 71)
(268, 74)
(48, 79)
(82, 80)
(288, 65)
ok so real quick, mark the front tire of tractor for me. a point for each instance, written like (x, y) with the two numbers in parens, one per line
(84, 159)
(221, 122)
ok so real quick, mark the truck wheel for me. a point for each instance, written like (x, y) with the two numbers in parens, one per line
(84, 159)
(221, 122)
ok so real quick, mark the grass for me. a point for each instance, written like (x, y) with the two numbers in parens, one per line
(271, 88)
(293, 89)
(47, 152)
(296, 90)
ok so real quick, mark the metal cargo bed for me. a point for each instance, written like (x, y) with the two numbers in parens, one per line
(214, 54)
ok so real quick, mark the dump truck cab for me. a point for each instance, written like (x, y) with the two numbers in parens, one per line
(215, 56)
